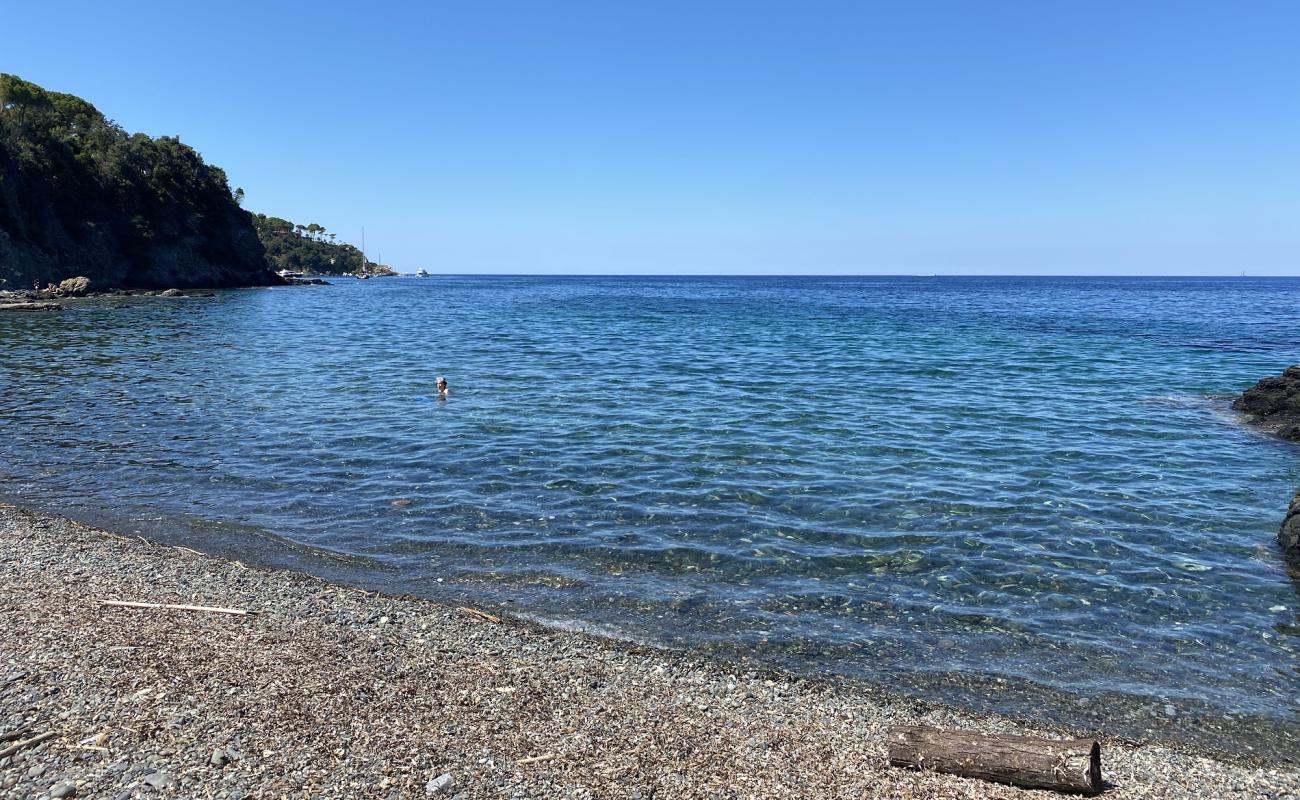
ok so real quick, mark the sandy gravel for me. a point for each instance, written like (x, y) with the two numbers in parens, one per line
(333, 692)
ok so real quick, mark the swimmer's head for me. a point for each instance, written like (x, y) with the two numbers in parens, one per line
(442, 383)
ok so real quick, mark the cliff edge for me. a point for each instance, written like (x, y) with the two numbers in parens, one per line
(79, 196)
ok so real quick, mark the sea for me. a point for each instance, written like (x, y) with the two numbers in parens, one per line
(1025, 495)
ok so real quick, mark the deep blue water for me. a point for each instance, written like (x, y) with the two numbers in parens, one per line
(1026, 494)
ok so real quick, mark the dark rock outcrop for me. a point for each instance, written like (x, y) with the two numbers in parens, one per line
(1288, 536)
(1274, 404)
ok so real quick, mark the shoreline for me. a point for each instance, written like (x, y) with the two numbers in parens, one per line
(336, 691)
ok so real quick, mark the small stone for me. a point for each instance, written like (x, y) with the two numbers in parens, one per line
(36, 771)
(219, 758)
(443, 784)
(1170, 711)
(160, 780)
(63, 789)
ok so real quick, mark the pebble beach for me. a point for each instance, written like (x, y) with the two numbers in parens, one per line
(327, 691)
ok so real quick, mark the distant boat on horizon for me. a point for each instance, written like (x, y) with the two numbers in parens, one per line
(421, 273)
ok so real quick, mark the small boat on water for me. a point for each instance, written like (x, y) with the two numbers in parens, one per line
(421, 273)
(285, 273)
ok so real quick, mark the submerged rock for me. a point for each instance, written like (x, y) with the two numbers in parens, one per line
(1274, 404)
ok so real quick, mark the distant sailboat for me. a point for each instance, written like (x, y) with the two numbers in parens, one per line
(362, 274)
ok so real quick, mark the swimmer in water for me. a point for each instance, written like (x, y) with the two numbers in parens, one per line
(443, 391)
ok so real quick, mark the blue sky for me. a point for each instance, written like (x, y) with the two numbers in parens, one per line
(1064, 137)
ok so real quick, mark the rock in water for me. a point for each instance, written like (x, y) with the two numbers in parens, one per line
(173, 293)
(73, 287)
(1274, 404)
(1288, 536)
(30, 307)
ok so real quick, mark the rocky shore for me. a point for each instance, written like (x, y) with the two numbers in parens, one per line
(1273, 404)
(326, 691)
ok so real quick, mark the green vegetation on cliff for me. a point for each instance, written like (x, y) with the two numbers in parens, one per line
(309, 249)
(81, 196)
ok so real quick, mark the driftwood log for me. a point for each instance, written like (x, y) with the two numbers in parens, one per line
(1065, 766)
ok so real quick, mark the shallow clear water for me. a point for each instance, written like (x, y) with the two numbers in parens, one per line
(1025, 494)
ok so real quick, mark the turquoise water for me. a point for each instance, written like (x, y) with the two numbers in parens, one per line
(1023, 494)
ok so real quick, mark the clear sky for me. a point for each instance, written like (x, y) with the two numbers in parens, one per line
(1044, 136)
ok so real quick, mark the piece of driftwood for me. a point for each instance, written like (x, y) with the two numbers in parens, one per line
(483, 615)
(35, 740)
(177, 607)
(1065, 766)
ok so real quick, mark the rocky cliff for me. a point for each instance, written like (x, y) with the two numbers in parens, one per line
(81, 197)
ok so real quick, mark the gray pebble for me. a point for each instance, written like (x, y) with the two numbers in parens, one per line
(443, 784)
(160, 780)
(63, 789)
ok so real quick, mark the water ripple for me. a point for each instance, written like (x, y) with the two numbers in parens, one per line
(982, 488)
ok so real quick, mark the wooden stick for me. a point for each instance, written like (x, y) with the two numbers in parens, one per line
(483, 615)
(210, 609)
(14, 748)
(15, 733)
(1066, 766)
(536, 759)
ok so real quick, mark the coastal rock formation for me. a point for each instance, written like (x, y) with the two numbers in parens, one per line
(1288, 536)
(25, 306)
(74, 287)
(79, 196)
(1274, 404)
